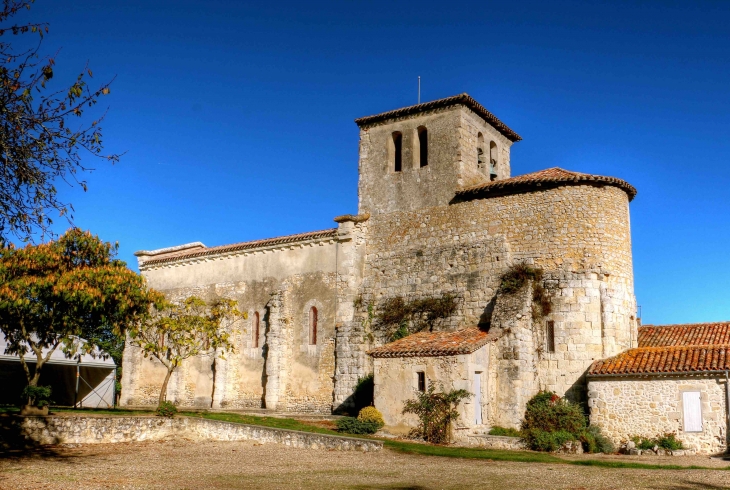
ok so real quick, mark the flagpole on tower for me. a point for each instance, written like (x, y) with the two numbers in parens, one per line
(419, 90)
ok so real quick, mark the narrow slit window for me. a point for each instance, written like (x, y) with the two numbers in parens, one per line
(255, 329)
(397, 151)
(550, 336)
(312, 326)
(421, 381)
(423, 146)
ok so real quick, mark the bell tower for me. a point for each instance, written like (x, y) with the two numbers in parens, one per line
(419, 156)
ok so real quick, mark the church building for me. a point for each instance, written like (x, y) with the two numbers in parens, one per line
(441, 216)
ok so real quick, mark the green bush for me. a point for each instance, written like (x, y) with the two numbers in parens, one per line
(436, 411)
(541, 440)
(595, 442)
(667, 441)
(504, 431)
(39, 396)
(166, 409)
(548, 412)
(371, 414)
(351, 425)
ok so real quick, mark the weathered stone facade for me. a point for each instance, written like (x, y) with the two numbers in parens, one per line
(450, 224)
(650, 406)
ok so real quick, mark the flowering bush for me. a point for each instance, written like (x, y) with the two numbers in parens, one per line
(166, 409)
(371, 414)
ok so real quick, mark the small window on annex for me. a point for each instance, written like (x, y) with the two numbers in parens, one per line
(396, 151)
(550, 336)
(255, 329)
(422, 146)
(421, 380)
(313, 326)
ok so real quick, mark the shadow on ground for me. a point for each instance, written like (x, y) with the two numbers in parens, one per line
(15, 445)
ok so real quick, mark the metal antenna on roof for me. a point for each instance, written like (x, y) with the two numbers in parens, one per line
(419, 90)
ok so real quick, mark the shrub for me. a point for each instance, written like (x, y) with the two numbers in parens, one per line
(399, 318)
(670, 442)
(595, 442)
(351, 425)
(39, 396)
(551, 421)
(371, 414)
(547, 411)
(436, 411)
(667, 441)
(166, 409)
(541, 440)
(504, 431)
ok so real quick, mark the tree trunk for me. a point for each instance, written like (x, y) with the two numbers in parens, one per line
(163, 390)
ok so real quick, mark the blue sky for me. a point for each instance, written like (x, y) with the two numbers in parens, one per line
(237, 117)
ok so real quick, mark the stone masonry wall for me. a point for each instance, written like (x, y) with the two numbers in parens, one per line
(300, 276)
(580, 237)
(94, 430)
(626, 407)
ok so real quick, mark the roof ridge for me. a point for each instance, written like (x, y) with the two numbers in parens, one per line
(242, 246)
(686, 325)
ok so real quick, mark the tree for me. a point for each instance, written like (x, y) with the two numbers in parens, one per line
(53, 293)
(175, 332)
(38, 146)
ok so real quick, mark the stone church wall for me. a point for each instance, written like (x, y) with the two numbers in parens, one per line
(580, 237)
(651, 406)
(297, 276)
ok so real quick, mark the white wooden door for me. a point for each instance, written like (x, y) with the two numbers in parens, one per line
(692, 406)
(478, 398)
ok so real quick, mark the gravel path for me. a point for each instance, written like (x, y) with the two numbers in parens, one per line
(217, 465)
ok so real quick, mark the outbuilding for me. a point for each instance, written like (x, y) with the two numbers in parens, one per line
(445, 360)
(676, 382)
(86, 380)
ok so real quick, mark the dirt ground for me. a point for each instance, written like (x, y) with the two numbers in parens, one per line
(217, 465)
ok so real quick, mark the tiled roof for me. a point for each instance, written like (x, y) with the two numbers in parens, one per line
(434, 344)
(544, 179)
(461, 99)
(659, 360)
(689, 348)
(268, 242)
(688, 334)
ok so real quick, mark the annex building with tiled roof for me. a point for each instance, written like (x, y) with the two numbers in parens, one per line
(440, 219)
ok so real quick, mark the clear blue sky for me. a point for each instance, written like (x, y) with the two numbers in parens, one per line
(237, 119)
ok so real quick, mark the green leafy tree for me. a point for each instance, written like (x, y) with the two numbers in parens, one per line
(44, 131)
(54, 293)
(175, 332)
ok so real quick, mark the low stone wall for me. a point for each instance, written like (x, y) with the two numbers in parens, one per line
(495, 442)
(91, 430)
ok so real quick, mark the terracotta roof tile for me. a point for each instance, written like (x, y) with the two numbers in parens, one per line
(331, 233)
(688, 334)
(434, 344)
(551, 177)
(658, 360)
(462, 99)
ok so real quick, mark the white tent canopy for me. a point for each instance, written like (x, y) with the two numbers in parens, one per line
(95, 386)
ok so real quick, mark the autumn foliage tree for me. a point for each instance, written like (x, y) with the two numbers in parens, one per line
(44, 131)
(178, 331)
(54, 293)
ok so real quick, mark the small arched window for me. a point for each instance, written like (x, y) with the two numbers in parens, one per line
(397, 151)
(255, 329)
(481, 156)
(492, 160)
(423, 146)
(313, 326)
